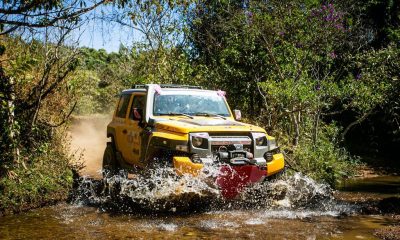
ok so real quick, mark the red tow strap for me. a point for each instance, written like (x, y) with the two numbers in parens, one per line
(233, 179)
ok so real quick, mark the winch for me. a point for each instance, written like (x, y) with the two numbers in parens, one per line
(235, 154)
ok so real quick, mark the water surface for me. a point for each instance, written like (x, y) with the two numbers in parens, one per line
(306, 210)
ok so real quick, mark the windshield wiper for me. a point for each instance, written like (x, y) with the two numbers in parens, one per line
(209, 115)
(175, 114)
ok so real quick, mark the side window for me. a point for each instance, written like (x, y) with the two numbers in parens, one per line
(123, 106)
(137, 107)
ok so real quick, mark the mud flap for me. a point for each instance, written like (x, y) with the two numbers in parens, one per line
(233, 179)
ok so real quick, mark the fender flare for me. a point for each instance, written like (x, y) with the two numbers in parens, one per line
(111, 134)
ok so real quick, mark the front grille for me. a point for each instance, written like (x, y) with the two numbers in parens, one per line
(229, 134)
(219, 143)
(216, 148)
(223, 142)
(230, 140)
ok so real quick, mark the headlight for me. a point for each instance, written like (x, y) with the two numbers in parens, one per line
(260, 139)
(197, 141)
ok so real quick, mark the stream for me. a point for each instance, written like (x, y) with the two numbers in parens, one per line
(295, 207)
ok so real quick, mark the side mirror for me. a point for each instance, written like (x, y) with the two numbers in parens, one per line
(151, 122)
(238, 114)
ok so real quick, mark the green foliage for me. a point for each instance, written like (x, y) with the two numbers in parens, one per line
(102, 76)
(377, 77)
(42, 177)
(324, 160)
(45, 177)
(299, 65)
(34, 168)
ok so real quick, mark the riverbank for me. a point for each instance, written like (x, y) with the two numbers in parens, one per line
(375, 195)
(42, 181)
(390, 232)
(49, 200)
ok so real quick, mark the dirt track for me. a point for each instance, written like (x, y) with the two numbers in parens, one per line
(88, 141)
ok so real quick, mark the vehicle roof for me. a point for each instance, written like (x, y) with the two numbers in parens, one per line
(128, 91)
(133, 90)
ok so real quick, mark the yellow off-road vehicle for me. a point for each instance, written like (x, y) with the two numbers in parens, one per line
(186, 127)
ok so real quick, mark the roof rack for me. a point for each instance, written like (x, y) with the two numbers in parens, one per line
(139, 86)
(168, 86)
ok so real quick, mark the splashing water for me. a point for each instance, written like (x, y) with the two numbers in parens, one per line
(295, 191)
(162, 191)
(294, 196)
(159, 190)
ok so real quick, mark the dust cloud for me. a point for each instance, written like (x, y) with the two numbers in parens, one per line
(88, 141)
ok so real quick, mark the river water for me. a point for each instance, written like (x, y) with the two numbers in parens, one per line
(292, 208)
(81, 222)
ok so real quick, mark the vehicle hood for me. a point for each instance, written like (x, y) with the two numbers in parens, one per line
(183, 124)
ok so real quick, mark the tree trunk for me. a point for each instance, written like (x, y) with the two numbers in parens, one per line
(315, 129)
(296, 119)
(12, 123)
(358, 121)
(10, 135)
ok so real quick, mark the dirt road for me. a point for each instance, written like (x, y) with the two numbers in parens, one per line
(88, 141)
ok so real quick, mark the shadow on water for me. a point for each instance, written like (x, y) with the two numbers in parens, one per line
(388, 185)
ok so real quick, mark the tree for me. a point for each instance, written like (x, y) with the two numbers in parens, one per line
(161, 25)
(14, 15)
(41, 13)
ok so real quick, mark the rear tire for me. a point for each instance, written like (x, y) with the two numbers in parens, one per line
(110, 165)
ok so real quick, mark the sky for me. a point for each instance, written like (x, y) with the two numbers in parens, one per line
(104, 35)
(99, 36)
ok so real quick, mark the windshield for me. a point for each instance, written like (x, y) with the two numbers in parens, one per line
(175, 104)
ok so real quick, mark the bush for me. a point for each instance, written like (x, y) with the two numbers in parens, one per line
(324, 160)
(42, 178)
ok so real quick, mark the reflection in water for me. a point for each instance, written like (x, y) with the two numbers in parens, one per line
(384, 185)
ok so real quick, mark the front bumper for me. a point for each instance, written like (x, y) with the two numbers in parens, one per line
(276, 165)
(183, 165)
(232, 179)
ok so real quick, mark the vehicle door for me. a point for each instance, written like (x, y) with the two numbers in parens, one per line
(135, 129)
(121, 125)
